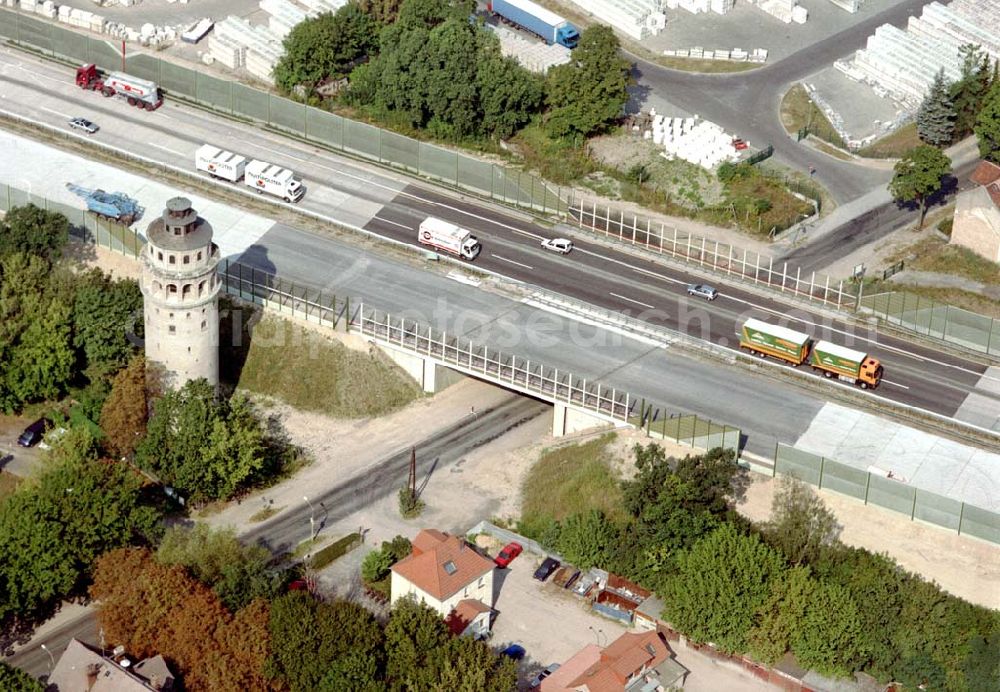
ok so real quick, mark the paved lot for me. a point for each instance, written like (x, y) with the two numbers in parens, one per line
(862, 111)
(163, 13)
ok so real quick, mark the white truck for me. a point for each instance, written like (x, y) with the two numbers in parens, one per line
(448, 237)
(274, 180)
(220, 163)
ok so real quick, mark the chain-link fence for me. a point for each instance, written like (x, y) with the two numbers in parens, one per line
(451, 168)
(887, 492)
(937, 320)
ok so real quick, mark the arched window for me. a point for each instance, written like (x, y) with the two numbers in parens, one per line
(171, 289)
(186, 291)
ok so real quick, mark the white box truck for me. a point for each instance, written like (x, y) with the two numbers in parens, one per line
(448, 237)
(274, 180)
(220, 163)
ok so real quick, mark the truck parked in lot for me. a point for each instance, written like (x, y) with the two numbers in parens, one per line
(220, 163)
(856, 367)
(138, 92)
(540, 21)
(273, 179)
(448, 237)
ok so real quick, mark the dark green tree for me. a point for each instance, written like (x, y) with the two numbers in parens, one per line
(34, 231)
(827, 637)
(586, 539)
(508, 93)
(988, 125)
(414, 636)
(801, 526)
(382, 11)
(325, 47)
(936, 116)
(770, 637)
(16, 680)
(104, 311)
(918, 175)
(588, 94)
(971, 88)
(465, 665)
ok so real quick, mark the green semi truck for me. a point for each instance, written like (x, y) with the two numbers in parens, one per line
(834, 361)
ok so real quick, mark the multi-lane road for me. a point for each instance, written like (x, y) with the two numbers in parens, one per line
(392, 206)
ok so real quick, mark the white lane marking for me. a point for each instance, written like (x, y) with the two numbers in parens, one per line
(504, 259)
(895, 384)
(645, 305)
(160, 146)
(59, 113)
(401, 225)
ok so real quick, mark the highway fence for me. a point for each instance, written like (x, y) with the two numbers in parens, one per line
(498, 183)
(936, 320)
(889, 493)
(736, 262)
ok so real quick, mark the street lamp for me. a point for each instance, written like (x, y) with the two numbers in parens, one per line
(312, 519)
(597, 633)
(52, 659)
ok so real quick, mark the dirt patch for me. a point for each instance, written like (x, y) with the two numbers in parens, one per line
(117, 265)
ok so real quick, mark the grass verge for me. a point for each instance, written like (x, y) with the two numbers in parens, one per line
(8, 484)
(934, 254)
(955, 297)
(335, 550)
(312, 372)
(833, 151)
(798, 111)
(572, 480)
(893, 145)
(264, 514)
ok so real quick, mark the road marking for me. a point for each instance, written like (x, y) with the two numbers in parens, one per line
(160, 146)
(59, 113)
(895, 384)
(645, 305)
(504, 259)
(401, 225)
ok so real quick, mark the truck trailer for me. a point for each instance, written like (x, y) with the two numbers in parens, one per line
(273, 179)
(856, 367)
(448, 237)
(538, 20)
(138, 92)
(763, 339)
(220, 163)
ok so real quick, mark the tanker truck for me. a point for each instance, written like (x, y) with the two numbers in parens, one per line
(138, 92)
(855, 367)
(448, 237)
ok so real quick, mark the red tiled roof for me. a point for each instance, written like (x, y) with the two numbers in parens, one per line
(986, 173)
(464, 613)
(624, 657)
(427, 566)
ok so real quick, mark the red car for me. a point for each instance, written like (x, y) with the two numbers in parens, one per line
(508, 554)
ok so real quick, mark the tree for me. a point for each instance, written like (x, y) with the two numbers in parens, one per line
(382, 11)
(988, 125)
(34, 231)
(375, 567)
(971, 88)
(918, 175)
(466, 665)
(123, 416)
(325, 47)
(589, 93)
(103, 312)
(413, 636)
(936, 116)
(586, 539)
(16, 680)
(508, 93)
(826, 637)
(801, 526)
(719, 586)
(770, 636)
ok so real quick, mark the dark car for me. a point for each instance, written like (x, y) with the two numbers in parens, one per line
(514, 651)
(33, 434)
(507, 555)
(548, 566)
(549, 670)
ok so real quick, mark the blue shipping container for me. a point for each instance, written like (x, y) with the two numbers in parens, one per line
(536, 19)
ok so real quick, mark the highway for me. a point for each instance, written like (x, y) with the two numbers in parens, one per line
(393, 207)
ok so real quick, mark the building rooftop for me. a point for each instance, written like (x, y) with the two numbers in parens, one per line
(441, 565)
(465, 612)
(617, 667)
(83, 669)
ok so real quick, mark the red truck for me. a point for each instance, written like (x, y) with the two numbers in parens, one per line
(138, 92)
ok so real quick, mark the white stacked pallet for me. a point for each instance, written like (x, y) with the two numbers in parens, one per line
(697, 141)
(692, 6)
(722, 6)
(779, 9)
(260, 62)
(636, 18)
(532, 55)
(961, 24)
(284, 15)
(319, 6)
(226, 51)
(851, 6)
(260, 47)
(904, 64)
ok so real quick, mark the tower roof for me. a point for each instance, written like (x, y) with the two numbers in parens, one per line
(179, 227)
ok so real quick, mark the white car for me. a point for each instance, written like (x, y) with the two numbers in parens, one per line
(83, 124)
(560, 245)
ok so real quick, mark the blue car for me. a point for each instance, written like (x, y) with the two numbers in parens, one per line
(514, 651)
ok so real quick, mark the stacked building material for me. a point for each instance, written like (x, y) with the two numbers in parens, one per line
(636, 18)
(697, 141)
(532, 55)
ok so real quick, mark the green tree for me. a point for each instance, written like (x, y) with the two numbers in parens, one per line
(586, 539)
(352, 672)
(508, 93)
(971, 88)
(589, 93)
(123, 416)
(413, 637)
(801, 526)
(375, 566)
(988, 125)
(16, 680)
(770, 637)
(826, 637)
(325, 47)
(918, 175)
(382, 11)
(34, 231)
(731, 572)
(465, 665)
(936, 116)
(103, 312)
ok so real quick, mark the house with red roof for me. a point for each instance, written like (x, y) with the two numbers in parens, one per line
(632, 663)
(447, 574)
(976, 225)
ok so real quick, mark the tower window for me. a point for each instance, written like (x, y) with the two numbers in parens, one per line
(172, 329)
(203, 325)
(199, 256)
(187, 259)
(173, 260)
(159, 256)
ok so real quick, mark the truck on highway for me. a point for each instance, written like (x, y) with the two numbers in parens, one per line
(763, 339)
(274, 180)
(856, 367)
(138, 92)
(538, 20)
(220, 163)
(448, 237)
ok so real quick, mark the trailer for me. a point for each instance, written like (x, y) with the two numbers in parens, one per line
(138, 92)
(274, 180)
(855, 367)
(220, 163)
(448, 237)
(112, 206)
(540, 21)
(763, 339)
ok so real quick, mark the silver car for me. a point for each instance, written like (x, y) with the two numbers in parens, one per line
(703, 290)
(83, 124)
(561, 245)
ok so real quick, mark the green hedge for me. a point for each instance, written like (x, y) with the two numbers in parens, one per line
(335, 550)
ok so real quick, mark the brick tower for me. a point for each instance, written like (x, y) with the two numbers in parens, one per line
(180, 291)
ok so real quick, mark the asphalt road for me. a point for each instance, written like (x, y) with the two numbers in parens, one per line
(747, 103)
(36, 662)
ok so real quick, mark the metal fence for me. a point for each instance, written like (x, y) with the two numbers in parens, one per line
(936, 320)
(886, 492)
(733, 261)
(498, 183)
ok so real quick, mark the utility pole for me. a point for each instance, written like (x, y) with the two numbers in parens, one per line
(412, 483)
